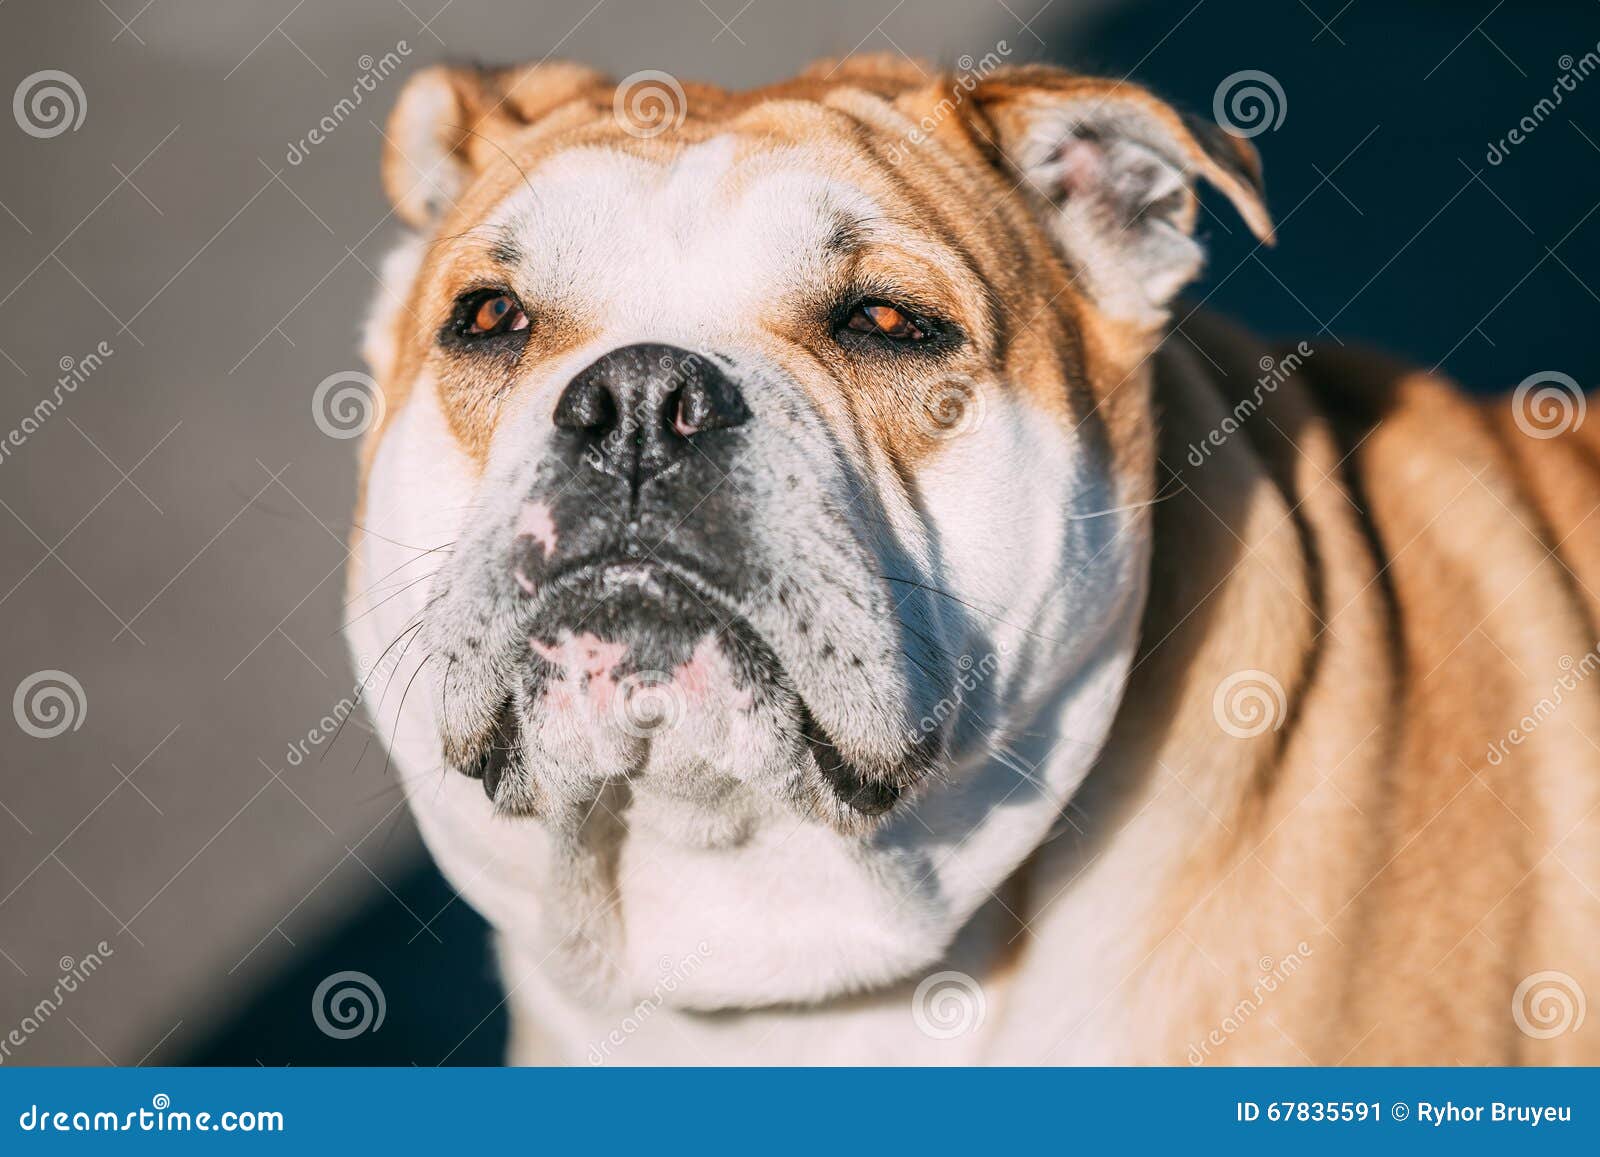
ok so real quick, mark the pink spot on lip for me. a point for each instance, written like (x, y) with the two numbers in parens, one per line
(586, 658)
(586, 654)
(694, 678)
(534, 521)
(588, 664)
(706, 669)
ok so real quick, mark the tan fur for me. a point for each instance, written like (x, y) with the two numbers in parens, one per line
(995, 275)
(1413, 569)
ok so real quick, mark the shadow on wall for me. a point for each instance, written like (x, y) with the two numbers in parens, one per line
(381, 991)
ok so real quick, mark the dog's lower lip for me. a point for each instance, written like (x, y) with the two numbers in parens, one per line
(625, 571)
(870, 797)
(865, 794)
(622, 569)
(490, 766)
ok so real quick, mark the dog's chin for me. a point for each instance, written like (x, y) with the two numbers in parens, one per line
(645, 682)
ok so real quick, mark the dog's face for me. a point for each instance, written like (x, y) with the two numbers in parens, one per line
(758, 498)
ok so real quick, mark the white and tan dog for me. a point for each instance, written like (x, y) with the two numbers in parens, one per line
(828, 615)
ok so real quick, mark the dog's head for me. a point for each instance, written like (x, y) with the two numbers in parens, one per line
(759, 495)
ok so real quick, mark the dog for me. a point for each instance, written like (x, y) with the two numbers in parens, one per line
(829, 606)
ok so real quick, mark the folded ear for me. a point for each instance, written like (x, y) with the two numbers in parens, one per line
(1115, 169)
(450, 122)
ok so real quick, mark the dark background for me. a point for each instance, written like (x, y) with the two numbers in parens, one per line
(229, 882)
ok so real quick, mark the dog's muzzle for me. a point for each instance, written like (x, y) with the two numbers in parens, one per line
(669, 612)
(627, 554)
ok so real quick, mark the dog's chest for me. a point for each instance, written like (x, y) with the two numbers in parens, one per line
(888, 1028)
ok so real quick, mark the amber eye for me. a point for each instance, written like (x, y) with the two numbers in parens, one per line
(885, 320)
(491, 313)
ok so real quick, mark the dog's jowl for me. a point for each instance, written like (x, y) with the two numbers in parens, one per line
(810, 596)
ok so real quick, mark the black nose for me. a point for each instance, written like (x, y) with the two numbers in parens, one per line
(640, 407)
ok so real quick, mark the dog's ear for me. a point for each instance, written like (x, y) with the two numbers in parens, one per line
(450, 122)
(1114, 169)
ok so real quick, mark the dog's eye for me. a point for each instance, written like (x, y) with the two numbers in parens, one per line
(490, 311)
(886, 320)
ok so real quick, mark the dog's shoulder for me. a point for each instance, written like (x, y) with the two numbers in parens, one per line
(1404, 577)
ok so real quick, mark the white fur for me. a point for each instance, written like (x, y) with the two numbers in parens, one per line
(793, 911)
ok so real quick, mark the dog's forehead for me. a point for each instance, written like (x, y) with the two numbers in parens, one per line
(717, 216)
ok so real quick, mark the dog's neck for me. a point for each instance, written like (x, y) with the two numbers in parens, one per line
(1227, 618)
(1204, 767)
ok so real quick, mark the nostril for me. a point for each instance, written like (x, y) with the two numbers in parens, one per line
(686, 422)
(637, 410)
(586, 404)
(709, 402)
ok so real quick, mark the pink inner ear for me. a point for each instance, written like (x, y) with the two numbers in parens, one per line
(1081, 166)
(1122, 179)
